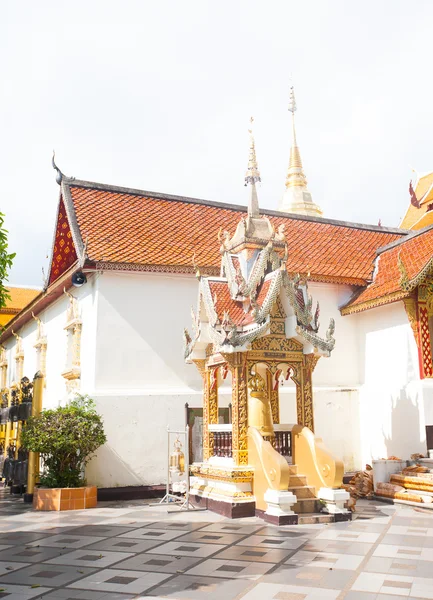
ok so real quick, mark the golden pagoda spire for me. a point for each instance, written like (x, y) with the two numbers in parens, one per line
(295, 174)
(297, 198)
(252, 176)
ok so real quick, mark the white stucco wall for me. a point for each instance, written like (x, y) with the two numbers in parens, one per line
(392, 410)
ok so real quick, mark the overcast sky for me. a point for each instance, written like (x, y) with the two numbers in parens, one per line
(157, 95)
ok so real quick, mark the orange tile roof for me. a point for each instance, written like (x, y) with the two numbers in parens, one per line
(133, 227)
(20, 297)
(415, 251)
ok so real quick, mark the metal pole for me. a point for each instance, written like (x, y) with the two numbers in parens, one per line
(33, 464)
(187, 467)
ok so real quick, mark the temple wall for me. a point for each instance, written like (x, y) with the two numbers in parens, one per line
(394, 402)
(142, 382)
(54, 320)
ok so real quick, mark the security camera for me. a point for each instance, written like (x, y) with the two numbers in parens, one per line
(79, 279)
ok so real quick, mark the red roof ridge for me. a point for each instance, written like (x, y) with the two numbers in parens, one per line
(238, 207)
(407, 238)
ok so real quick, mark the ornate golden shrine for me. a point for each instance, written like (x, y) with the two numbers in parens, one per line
(277, 355)
(257, 323)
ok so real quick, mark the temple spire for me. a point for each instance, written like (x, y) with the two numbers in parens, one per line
(297, 198)
(295, 173)
(252, 176)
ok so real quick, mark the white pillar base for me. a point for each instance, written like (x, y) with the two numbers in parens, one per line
(333, 500)
(279, 502)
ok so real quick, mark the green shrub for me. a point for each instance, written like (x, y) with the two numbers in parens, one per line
(66, 437)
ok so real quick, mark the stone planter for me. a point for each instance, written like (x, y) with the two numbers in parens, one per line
(64, 498)
(383, 469)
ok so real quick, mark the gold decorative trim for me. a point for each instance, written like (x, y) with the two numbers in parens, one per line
(374, 302)
(209, 490)
(410, 305)
(231, 475)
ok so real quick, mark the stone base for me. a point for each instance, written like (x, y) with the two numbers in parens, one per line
(64, 498)
(231, 510)
(278, 519)
(334, 500)
(279, 503)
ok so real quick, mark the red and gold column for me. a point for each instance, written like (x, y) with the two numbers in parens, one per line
(238, 367)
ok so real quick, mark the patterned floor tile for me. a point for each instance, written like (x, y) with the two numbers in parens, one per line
(277, 591)
(31, 554)
(115, 580)
(400, 552)
(102, 530)
(211, 537)
(67, 540)
(187, 549)
(310, 576)
(237, 527)
(289, 531)
(271, 541)
(254, 554)
(348, 535)
(149, 533)
(21, 592)
(158, 563)
(230, 569)
(338, 547)
(118, 544)
(173, 525)
(99, 559)
(68, 594)
(45, 575)
(184, 587)
(326, 560)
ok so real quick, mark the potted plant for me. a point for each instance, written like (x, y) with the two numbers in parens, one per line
(65, 437)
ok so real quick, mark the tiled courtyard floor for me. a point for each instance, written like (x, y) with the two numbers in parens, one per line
(121, 551)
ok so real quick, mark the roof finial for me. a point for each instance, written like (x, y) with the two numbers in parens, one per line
(252, 176)
(59, 175)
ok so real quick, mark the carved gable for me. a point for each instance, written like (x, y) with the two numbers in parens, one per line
(64, 253)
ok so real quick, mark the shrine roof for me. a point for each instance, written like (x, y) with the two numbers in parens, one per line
(124, 227)
(415, 253)
(225, 304)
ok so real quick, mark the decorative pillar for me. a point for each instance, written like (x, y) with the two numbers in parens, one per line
(273, 385)
(210, 404)
(237, 365)
(425, 353)
(3, 368)
(211, 410)
(19, 358)
(302, 376)
(72, 372)
(41, 349)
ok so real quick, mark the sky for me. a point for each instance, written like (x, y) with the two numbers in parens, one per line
(157, 95)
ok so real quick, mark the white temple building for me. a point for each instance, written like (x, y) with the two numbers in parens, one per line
(121, 284)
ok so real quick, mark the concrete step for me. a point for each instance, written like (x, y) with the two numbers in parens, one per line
(296, 480)
(303, 491)
(306, 505)
(313, 518)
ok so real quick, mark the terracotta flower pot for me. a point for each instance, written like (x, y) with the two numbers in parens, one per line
(64, 498)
